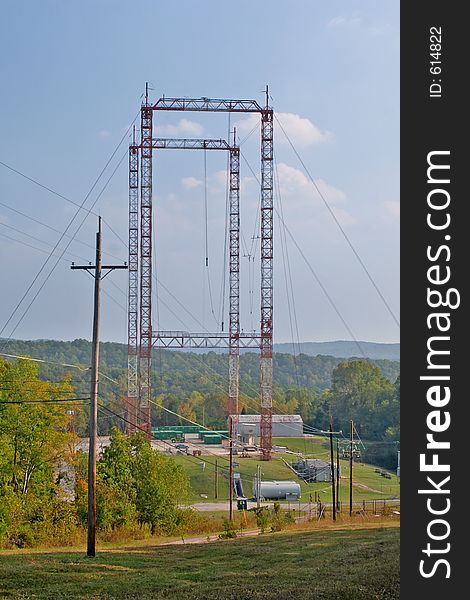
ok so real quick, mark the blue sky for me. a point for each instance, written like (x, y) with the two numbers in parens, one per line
(72, 78)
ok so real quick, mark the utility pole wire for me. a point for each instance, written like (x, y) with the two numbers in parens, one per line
(61, 255)
(94, 380)
(80, 207)
(351, 468)
(333, 491)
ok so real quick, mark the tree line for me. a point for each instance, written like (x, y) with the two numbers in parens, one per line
(43, 477)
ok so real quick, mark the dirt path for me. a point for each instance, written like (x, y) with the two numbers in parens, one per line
(203, 539)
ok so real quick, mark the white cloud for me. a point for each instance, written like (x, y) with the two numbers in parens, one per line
(104, 133)
(295, 183)
(190, 183)
(300, 196)
(183, 127)
(300, 130)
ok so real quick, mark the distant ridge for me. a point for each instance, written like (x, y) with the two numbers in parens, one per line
(342, 349)
(115, 354)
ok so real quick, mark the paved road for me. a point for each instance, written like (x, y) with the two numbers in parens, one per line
(304, 506)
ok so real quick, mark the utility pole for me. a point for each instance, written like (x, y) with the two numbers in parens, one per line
(230, 476)
(96, 272)
(351, 468)
(332, 470)
(216, 491)
(338, 504)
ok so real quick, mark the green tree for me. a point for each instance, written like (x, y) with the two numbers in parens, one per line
(360, 392)
(35, 440)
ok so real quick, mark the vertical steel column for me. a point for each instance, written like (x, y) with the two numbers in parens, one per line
(234, 282)
(266, 360)
(145, 348)
(133, 299)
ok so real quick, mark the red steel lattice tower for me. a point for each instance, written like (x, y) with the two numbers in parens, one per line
(145, 342)
(234, 279)
(264, 339)
(133, 299)
(266, 362)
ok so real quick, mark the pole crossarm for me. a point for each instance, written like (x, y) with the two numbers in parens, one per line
(191, 144)
(207, 105)
(184, 339)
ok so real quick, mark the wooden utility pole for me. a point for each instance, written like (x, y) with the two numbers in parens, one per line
(333, 498)
(230, 485)
(338, 504)
(96, 272)
(216, 491)
(351, 468)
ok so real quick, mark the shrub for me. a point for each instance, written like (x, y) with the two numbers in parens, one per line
(229, 531)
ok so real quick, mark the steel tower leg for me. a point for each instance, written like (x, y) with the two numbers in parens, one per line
(266, 360)
(132, 324)
(234, 281)
(145, 347)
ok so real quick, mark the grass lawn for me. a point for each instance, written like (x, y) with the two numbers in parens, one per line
(368, 484)
(356, 564)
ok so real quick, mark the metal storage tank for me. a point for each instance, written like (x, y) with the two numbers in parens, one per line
(277, 490)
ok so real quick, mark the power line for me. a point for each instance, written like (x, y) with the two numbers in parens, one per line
(317, 278)
(38, 239)
(80, 367)
(61, 257)
(80, 207)
(345, 235)
(57, 261)
(26, 216)
(53, 401)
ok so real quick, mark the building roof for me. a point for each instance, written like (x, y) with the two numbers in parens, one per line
(310, 463)
(276, 418)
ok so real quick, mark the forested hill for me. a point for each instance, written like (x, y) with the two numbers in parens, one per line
(176, 372)
(343, 349)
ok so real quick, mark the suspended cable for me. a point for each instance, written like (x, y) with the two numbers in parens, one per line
(50, 362)
(49, 401)
(206, 241)
(62, 253)
(345, 235)
(26, 216)
(283, 253)
(317, 279)
(224, 266)
(289, 274)
(88, 211)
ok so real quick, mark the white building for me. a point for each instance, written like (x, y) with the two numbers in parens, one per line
(248, 426)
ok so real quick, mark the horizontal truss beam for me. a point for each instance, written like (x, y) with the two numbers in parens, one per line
(208, 105)
(184, 339)
(190, 144)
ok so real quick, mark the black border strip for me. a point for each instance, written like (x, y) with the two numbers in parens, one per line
(432, 120)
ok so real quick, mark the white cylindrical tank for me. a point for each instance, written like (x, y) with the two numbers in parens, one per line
(277, 490)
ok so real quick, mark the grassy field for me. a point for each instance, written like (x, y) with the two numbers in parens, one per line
(358, 564)
(368, 485)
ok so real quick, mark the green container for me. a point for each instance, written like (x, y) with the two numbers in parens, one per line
(213, 439)
(191, 429)
(167, 435)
